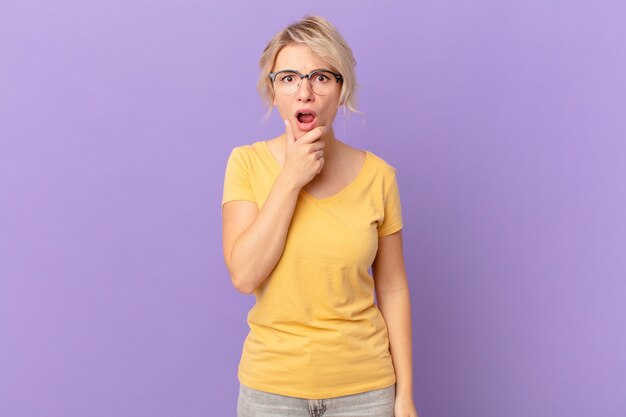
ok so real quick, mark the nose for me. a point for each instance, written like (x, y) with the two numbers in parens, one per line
(305, 92)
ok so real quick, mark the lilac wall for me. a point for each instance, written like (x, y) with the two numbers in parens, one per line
(505, 122)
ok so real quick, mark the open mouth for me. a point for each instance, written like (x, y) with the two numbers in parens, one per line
(307, 119)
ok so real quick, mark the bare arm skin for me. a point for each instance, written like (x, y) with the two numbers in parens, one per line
(392, 294)
(253, 240)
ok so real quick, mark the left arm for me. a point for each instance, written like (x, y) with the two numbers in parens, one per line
(392, 293)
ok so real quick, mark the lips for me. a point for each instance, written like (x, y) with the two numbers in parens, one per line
(305, 113)
(306, 119)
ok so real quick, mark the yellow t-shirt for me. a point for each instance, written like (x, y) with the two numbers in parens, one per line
(315, 331)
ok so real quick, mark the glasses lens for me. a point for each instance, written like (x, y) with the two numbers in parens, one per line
(286, 82)
(323, 82)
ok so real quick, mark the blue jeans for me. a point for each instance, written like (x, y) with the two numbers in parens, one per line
(376, 403)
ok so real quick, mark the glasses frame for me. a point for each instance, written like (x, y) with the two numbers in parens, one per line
(273, 75)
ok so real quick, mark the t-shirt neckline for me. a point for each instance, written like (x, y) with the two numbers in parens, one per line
(337, 195)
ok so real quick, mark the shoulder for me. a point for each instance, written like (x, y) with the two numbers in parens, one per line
(381, 165)
(246, 152)
(245, 148)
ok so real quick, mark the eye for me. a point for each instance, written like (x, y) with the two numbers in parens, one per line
(322, 78)
(287, 78)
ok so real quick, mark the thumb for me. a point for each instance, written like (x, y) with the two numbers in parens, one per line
(289, 132)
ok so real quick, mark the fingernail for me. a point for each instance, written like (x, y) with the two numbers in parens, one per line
(285, 122)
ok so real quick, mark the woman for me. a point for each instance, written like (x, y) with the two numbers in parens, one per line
(304, 218)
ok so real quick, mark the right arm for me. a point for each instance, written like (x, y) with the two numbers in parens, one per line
(253, 240)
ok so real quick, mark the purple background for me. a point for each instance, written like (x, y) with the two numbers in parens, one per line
(505, 121)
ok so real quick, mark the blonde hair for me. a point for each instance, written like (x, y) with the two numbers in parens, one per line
(326, 42)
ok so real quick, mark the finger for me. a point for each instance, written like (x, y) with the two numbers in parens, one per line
(289, 132)
(314, 134)
(319, 145)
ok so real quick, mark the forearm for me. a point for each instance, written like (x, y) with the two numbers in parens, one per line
(395, 307)
(257, 251)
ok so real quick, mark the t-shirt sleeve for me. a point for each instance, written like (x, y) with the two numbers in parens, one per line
(237, 185)
(392, 221)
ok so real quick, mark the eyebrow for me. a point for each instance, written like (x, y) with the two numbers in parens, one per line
(317, 69)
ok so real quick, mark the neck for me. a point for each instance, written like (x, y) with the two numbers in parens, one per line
(330, 143)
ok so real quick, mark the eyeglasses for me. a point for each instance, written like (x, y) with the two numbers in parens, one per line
(288, 81)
